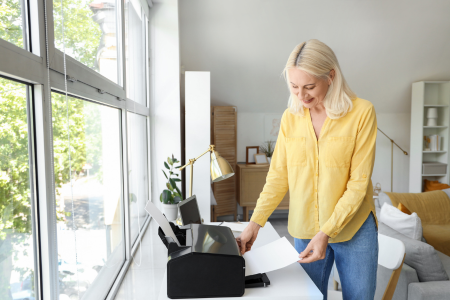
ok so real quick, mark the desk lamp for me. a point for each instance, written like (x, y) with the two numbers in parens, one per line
(220, 167)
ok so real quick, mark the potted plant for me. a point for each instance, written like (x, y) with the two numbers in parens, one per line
(268, 148)
(172, 195)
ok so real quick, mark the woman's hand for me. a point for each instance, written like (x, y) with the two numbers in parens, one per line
(318, 246)
(246, 239)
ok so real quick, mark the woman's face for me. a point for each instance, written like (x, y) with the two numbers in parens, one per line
(309, 89)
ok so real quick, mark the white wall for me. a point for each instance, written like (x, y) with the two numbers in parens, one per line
(397, 127)
(165, 132)
(382, 46)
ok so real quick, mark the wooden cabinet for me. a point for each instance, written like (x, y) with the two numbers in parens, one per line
(250, 181)
(224, 137)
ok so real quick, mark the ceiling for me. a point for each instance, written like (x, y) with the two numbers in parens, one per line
(382, 46)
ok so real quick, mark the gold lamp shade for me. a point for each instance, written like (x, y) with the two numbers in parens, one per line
(220, 167)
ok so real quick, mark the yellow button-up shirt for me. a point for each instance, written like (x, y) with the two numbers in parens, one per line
(328, 179)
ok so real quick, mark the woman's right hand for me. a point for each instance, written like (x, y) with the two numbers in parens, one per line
(246, 239)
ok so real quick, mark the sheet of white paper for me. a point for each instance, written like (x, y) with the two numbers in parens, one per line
(276, 255)
(161, 220)
(234, 226)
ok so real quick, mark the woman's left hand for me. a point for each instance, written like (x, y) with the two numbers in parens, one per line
(318, 246)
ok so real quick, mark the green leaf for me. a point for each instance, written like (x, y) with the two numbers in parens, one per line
(166, 165)
(170, 161)
(169, 186)
(176, 199)
(176, 179)
(177, 167)
(178, 190)
(161, 197)
(167, 197)
(172, 182)
(165, 174)
(176, 194)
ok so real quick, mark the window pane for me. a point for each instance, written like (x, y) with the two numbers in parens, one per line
(88, 199)
(13, 22)
(89, 33)
(138, 170)
(135, 49)
(16, 237)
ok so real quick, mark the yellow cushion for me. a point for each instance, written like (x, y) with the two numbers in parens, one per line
(403, 209)
(435, 185)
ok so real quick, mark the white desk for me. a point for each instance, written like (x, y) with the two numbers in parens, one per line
(291, 282)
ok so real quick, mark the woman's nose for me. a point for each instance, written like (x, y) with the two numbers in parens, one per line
(302, 95)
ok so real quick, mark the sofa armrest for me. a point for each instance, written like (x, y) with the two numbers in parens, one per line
(433, 290)
(407, 276)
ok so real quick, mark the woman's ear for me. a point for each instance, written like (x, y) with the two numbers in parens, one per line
(332, 73)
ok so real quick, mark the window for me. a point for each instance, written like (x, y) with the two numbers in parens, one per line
(13, 22)
(87, 31)
(138, 172)
(87, 162)
(74, 177)
(17, 266)
(135, 52)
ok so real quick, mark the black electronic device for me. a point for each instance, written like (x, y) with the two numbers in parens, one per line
(207, 264)
(189, 211)
(257, 280)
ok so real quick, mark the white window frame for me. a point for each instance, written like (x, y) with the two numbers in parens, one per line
(31, 67)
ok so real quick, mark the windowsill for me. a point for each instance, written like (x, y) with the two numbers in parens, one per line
(144, 281)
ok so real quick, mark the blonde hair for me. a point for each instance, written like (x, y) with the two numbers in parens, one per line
(317, 59)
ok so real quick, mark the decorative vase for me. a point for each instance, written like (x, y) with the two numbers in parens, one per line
(171, 211)
(432, 116)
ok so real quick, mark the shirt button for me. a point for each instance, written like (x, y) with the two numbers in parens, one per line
(335, 233)
(364, 176)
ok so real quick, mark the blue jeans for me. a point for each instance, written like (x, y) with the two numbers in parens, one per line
(356, 262)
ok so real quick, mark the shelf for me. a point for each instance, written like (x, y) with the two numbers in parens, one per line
(442, 151)
(429, 96)
(424, 175)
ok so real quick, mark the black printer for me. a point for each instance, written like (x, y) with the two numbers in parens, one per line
(207, 264)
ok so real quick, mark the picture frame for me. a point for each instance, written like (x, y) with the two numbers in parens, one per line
(261, 159)
(250, 152)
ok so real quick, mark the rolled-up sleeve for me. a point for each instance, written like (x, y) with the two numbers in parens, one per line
(276, 184)
(361, 167)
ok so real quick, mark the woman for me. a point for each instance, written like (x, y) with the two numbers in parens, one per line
(324, 156)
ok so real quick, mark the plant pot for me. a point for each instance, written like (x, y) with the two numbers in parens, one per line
(171, 211)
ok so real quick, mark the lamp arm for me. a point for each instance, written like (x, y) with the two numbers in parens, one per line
(191, 161)
(404, 152)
